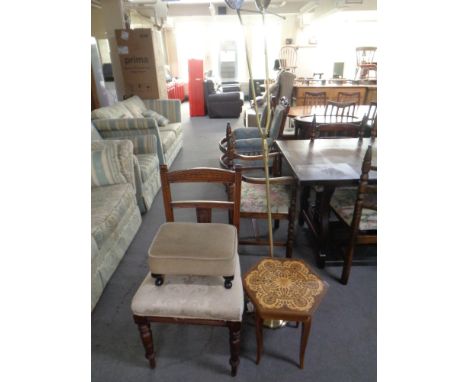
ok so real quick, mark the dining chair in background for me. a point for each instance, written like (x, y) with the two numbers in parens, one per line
(253, 203)
(356, 208)
(349, 97)
(315, 98)
(288, 58)
(340, 109)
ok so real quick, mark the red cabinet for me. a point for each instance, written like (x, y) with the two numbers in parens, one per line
(196, 88)
(175, 90)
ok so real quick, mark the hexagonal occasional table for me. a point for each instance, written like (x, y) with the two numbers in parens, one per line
(284, 289)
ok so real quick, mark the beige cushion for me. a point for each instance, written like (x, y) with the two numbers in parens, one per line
(202, 297)
(135, 105)
(115, 111)
(175, 127)
(205, 249)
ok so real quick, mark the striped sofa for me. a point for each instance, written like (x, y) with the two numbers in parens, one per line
(115, 217)
(134, 117)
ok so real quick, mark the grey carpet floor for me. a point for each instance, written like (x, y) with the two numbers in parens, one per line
(343, 341)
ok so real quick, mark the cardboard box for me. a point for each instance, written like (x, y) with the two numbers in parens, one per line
(142, 63)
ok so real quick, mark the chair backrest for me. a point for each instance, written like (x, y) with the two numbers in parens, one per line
(286, 85)
(203, 207)
(315, 98)
(364, 195)
(288, 58)
(349, 97)
(340, 109)
(279, 119)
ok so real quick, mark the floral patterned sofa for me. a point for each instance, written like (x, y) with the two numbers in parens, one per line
(115, 217)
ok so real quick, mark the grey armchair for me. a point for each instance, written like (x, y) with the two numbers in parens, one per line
(247, 140)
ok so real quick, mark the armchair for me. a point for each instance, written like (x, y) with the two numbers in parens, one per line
(247, 140)
(225, 104)
(145, 166)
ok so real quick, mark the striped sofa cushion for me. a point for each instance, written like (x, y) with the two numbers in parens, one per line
(111, 112)
(135, 105)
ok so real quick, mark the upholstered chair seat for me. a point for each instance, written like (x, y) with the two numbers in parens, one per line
(253, 198)
(204, 249)
(343, 201)
(192, 297)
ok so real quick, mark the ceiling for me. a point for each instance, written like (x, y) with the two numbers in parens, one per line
(318, 8)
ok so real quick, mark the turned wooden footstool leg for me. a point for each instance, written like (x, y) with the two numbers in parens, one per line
(259, 335)
(234, 343)
(147, 338)
(304, 337)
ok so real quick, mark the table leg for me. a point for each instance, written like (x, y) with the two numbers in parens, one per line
(304, 204)
(259, 335)
(147, 338)
(321, 219)
(304, 338)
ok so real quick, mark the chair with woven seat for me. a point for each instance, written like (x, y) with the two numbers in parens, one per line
(349, 97)
(253, 203)
(194, 258)
(357, 209)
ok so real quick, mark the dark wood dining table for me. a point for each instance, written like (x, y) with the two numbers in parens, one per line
(328, 163)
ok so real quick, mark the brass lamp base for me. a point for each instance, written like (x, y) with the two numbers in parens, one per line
(274, 324)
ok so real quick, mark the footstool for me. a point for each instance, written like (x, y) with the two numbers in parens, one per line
(283, 289)
(199, 300)
(201, 249)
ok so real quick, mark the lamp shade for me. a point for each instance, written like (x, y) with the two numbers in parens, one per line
(234, 4)
(262, 4)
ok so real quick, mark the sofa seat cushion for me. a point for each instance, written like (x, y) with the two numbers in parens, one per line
(108, 205)
(167, 139)
(343, 202)
(175, 127)
(115, 111)
(203, 249)
(253, 198)
(148, 165)
(202, 297)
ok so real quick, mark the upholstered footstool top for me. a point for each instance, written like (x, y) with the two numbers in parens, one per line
(197, 297)
(204, 249)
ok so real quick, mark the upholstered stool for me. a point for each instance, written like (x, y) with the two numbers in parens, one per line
(200, 300)
(202, 249)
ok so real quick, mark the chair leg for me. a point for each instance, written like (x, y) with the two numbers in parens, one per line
(147, 338)
(347, 265)
(234, 344)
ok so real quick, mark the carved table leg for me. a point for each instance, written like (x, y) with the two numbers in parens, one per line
(304, 337)
(259, 335)
(304, 203)
(322, 216)
(147, 338)
(234, 343)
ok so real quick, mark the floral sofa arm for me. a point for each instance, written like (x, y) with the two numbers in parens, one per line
(112, 163)
(170, 108)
